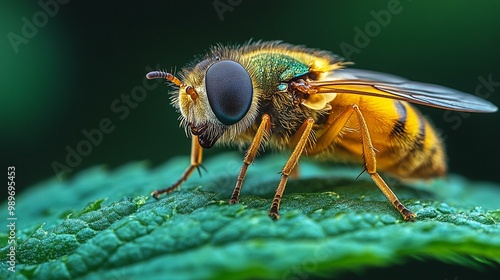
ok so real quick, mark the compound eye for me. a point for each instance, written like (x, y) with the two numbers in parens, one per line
(229, 91)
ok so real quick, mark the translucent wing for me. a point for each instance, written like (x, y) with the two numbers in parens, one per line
(356, 81)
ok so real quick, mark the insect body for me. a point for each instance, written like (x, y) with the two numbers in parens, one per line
(303, 100)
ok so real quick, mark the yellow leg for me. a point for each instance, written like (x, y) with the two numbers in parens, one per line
(303, 133)
(196, 158)
(368, 154)
(264, 127)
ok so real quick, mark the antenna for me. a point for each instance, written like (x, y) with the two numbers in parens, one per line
(165, 75)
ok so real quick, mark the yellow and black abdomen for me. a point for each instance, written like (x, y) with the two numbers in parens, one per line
(406, 144)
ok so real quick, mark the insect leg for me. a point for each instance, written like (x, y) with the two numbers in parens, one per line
(196, 158)
(368, 154)
(264, 127)
(371, 167)
(304, 132)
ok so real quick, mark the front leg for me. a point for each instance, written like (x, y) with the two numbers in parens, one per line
(196, 158)
(264, 128)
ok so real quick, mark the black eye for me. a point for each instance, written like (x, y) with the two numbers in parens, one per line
(229, 91)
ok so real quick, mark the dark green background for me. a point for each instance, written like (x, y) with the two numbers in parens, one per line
(65, 78)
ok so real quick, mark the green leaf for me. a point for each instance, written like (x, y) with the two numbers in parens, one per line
(101, 224)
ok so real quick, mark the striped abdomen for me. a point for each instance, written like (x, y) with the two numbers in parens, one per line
(407, 146)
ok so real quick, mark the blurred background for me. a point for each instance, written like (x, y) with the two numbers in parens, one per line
(70, 69)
